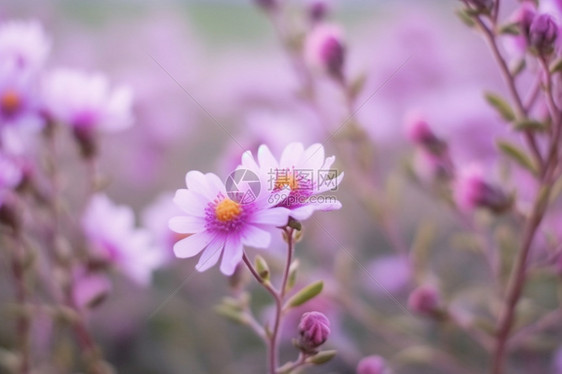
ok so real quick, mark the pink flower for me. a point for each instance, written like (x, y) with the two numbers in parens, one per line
(24, 44)
(221, 222)
(86, 102)
(372, 365)
(155, 219)
(19, 99)
(324, 49)
(298, 178)
(114, 238)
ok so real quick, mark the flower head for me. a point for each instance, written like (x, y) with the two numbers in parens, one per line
(298, 178)
(114, 238)
(24, 44)
(19, 99)
(372, 365)
(86, 101)
(222, 222)
(314, 329)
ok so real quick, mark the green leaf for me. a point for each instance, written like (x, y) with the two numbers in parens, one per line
(262, 267)
(510, 29)
(292, 275)
(465, 17)
(518, 155)
(321, 357)
(518, 66)
(500, 105)
(356, 86)
(232, 314)
(304, 295)
(556, 66)
(530, 125)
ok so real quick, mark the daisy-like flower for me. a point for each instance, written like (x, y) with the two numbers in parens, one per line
(86, 102)
(19, 99)
(114, 238)
(222, 223)
(298, 178)
(24, 44)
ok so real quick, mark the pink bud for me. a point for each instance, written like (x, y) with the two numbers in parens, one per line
(325, 49)
(424, 300)
(543, 33)
(419, 133)
(317, 11)
(472, 191)
(372, 365)
(314, 329)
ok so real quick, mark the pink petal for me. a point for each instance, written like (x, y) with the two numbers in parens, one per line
(186, 224)
(192, 245)
(211, 254)
(208, 185)
(232, 256)
(256, 237)
(329, 185)
(313, 157)
(292, 154)
(266, 159)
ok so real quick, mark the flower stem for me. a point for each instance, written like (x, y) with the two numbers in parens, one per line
(23, 322)
(279, 297)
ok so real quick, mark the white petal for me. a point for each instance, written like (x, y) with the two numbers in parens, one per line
(211, 254)
(192, 245)
(202, 184)
(190, 202)
(266, 159)
(292, 154)
(303, 212)
(186, 224)
(330, 185)
(313, 157)
(273, 216)
(232, 256)
(256, 237)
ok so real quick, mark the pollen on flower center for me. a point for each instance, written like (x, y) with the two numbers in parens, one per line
(227, 210)
(10, 102)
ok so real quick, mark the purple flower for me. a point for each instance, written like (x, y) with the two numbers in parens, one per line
(372, 365)
(19, 99)
(424, 300)
(114, 238)
(219, 224)
(543, 33)
(298, 178)
(23, 44)
(314, 329)
(86, 102)
(472, 191)
(89, 288)
(324, 49)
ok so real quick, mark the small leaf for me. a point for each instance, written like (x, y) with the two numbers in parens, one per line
(292, 275)
(518, 66)
(231, 314)
(465, 17)
(262, 267)
(321, 357)
(530, 125)
(357, 85)
(510, 29)
(518, 155)
(304, 295)
(556, 66)
(502, 107)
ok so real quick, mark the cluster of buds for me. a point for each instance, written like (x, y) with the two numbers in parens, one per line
(539, 30)
(314, 329)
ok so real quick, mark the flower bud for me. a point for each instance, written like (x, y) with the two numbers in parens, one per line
(542, 34)
(317, 11)
(325, 49)
(524, 16)
(314, 329)
(472, 191)
(419, 133)
(372, 365)
(86, 139)
(424, 300)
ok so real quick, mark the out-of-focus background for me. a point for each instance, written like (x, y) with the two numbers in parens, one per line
(210, 80)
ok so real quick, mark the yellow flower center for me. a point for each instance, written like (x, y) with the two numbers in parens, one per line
(286, 180)
(227, 210)
(10, 101)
